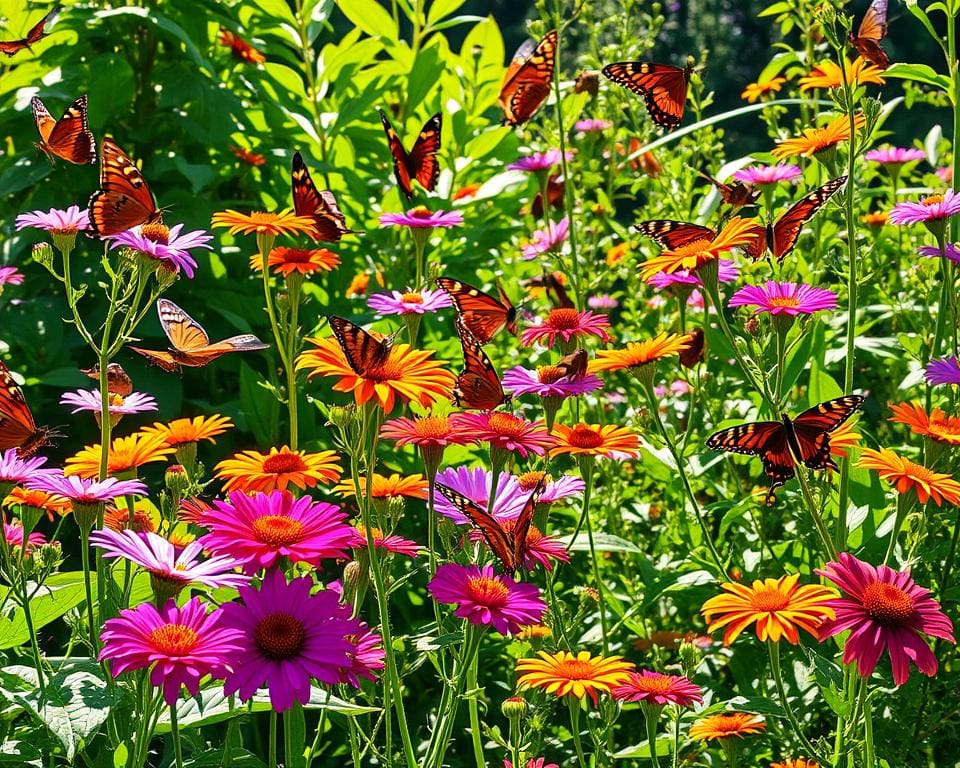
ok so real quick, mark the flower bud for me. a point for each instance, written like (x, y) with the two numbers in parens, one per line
(42, 254)
(343, 416)
(177, 481)
(514, 707)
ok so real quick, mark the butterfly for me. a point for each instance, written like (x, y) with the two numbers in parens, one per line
(663, 87)
(574, 365)
(189, 344)
(478, 385)
(736, 193)
(872, 30)
(36, 34)
(781, 236)
(123, 200)
(694, 352)
(364, 351)
(69, 137)
(329, 224)
(419, 163)
(118, 381)
(554, 197)
(672, 234)
(526, 84)
(483, 315)
(17, 427)
(781, 445)
(506, 539)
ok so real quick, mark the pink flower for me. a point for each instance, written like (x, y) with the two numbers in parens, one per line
(567, 324)
(658, 689)
(84, 490)
(950, 251)
(728, 272)
(90, 400)
(943, 371)
(538, 161)
(10, 276)
(386, 542)
(603, 302)
(894, 155)
(533, 762)
(412, 302)
(421, 218)
(14, 536)
(483, 597)
(507, 432)
(784, 298)
(164, 245)
(884, 610)
(544, 382)
(768, 174)
(16, 470)
(55, 220)
(592, 126)
(547, 240)
(563, 487)
(475, 485)
(931, 208)
(366, 658)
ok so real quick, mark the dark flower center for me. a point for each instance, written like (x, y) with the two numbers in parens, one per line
(887, 605)
(583, 436)
(158, 233)
(280, 636)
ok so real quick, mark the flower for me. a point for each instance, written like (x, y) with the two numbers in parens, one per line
(422, 218)
(507, 432)
(474, 484)
(254, 471)
(386, 487)
(736, 233)
(878, 219)
(241, 48)
(466, 192)
(814, 140)
(727, 272)
(288, 638)
(541, 161)
(165, 245)
(885, 610)
(755, 92)
(930, 208)
(726, 726)
(366, 657)
(827, 74)
(181, 431)
(533, 762)
(125, 454)
(69, 221)
(768, 174)
(591, 126)
(261, 529)
(784, 298)
(658, 689)
(638, 353)
(937, 425)
(83, 490)
(548, 381)
(563, 487)
(181, 645)
(407, 374)
(358, 285)
(565, 674)
(894, 155)
(547, 240)
(608, 440)
(248, 156)
(603, 302)
(13, 533)
(779, 607)
(304, 261)
(616, 253)
(907, 475)
(283, 223)
(843, 438)
(567, 325)
(15, 470)
(10, 276)
(951, 251)
(425, 432)
(943, 371)
(486, 598)
(118, 519)
(90, 400)
(800, 762)
(412, 302)
(389, 542)
(51, 503)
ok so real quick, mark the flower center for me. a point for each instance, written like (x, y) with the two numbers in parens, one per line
(156, 232)
(574, 669)
(116, 400)
(432, 427)
(550, 373)
(420, 212)
(655, 684)
(174, 639)
(530, 480)
(412, 298)
(887, 605)
(506, 424)
(281, 463)
(727, 724)
(932, 200)
(277, 530)
(487, 591)
(280, 636)
(768, 600)
(583, 436)
(293, 255)
(784, 301)
(564, 319)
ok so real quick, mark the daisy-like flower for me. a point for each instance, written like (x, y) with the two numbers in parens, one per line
(800, 762)
(15, 470)
(261, 529)
(248, 156)
(547, 240)
(768, 174)
(411, 302)
(929, 209)
(52, 504)
(885, 610)
(784, 298)
(726, 726)
(507, 432)
(894, 155)
(125, 454)
(943, 371)
(906, 475)
(165, 245)
(406, 375)
(487, 598)
(757, 91)
(366, 658)
(936, 425)
(283, 223)
(548, 381)
(10, 276)
(876, 219)
(951, 251)
(658, 689)
(616, 254)
(387, 486)
(779, 608)
(567, 325)
(72, 220)
(304, 261)
(430, 434)
(639, 353)
(608, 440)
(563, 487)
(828, 74)
(422, 218)
(603, 302)
(90, 400)
(533, 762)
(592, 126)
(290, 637)
(388, 542)
(539, 549)
(474, 484)
(565, 674)
(466, 192)
(241, 48)
(358, 285)
(13, 533)
(250, 471)
(117, 519)
(540, 161)
(814, 140)
(843, 438)
(180, 646)
(83, 490)
(181, 431)
(727, 272)
(736, 233)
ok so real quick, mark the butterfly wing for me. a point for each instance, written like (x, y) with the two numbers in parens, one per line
(782, 236)
(17, 426)
(424, 165)
(662, 87)
(185, 333)
(123, 200)
(674, 234)
(526, 84)
(736, 194)
(872, 30)
(766, 439)
(501, 543)
(812, 429)
(401, 160)
(363, 351)
(478, 386)
(160, 358)
(483, 315)
(69, 137)
(45, 122)
(521, 527)
(37, 32)
(328, 222)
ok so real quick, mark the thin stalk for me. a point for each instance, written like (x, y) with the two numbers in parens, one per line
(293, 335)
(904, 504)
(819, 524)
(87, 587)
(774, 653)
(869, 760)
(175, 736)
(586, 469)
(574, 704)
(272, 743)
(473, 707)
(651, 723)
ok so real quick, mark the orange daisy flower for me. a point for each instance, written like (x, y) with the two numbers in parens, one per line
(180, 431)
(907, 475)
(937, 425)
(800, 762)
(875, 218)
(736, 233)
(843, 438)
(241, 48)
(125, 454)
(407, 375)
(564, 674)
(50, 503)
(757, 91)
(814, 140)
(828, 74)
(726, 726)
(251, 471)
(119, 519)
(609, 440)
(779, 607)
(638, 353)
(247, 156)
(385, 487)
(306, 261)
(283, 223)
(534, 632)
(617, 253)
(358, 285)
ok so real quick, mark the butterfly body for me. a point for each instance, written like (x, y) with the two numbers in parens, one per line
(420, 163)
(36, 33)
(68, 138)
(662, 87)
(482, 314)
(527, 81)
(124, 200)
(736, 193)
(478, 385)
(17, 427)
(118, 381)
(365, 353)
(574, 365)
(328, 222)
(872, 29)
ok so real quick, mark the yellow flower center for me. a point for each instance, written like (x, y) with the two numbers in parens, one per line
(281, 463)
(784, 301)
(530, 480)
(488, 591)
(505, 424)
(574, 669)
(564, 319)
(116, 400)
(932, 200)
(174, 639)
(550, 373)
(412, 298)
(432, 427)
(157, 232)
(769, 600)
(693, 249)
(658, 684)
(887, 605)
(280, 636)
(277, 530)
(583, 436)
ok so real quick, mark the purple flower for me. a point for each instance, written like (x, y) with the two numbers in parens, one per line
(728, 272)
(83, 490)
(950, 251)
(475, 485)
(604, 302)
(90, 400)
(55, 220)
(421, 218)
(894, 155)
(592, 126)
(166, 245)
(16, 470)
(412, 302)
(538, 161)
(784, 298)
(768, 174)
(931, 208)
(547, 240)
(543, 382)
(10, 276)
(13, 533)
(944, 371)
(563, 487)
(484, 597)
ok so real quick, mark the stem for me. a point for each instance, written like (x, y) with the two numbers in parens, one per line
(774, 652)
(474, 710)
(586, 469)
(904, 504)
(175, 735)
(574, 704)
(293, 335)
(272, 744)
(869, 760)
(651, 723)
(88, 591)
(819, 524)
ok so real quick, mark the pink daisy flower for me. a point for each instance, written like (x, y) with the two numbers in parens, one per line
(15, 470)
(950, 251)
(387, 542)
(676, 388)
(728, 271)
(181, 645)
(13, 533)
(894, 155)
(547, 240)
(658, 689)
(933, 208)
(10, 276)
(421, 218)
(474, 483)
(592, 126)
(366, 658)
(885, 610)
(604, 302)
(164, 245)
(90, 400)
(507, 432)
(943, 371)
(546, 381)
(768, 174)
(486, 598)
(69, 221)
(784, 298)
(540, 548)
(538, 161)
(83, 490)
(261, 529)
(533, 762)
(412, 302)
(567, 324)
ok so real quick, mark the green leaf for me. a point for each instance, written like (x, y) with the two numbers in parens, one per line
(440, 9)
(369, 16)
(20, 753)
(216, 758)
(53, 600)
(664, 745)
(424, 76)
(164, 25)
(455, 21)
(919, 73)
(260, 408)
(603, 542)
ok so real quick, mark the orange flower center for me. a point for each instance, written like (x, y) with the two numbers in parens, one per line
(564, 319)
(574, 669)
(488, 591)
(769, 600)
(293, 255)
(583, 436)
(412, 298)
(174, 639)
(784, 301)
(116, 400)
(420, 212)
(887, 605)
(156, 232)
(658, 684)
(432, 427)
(932, 200)
(277, 530)
(530, 480)
(694, 248)
(281, 463)
(505, 424)
(280, 636)
(727, 724)
(550, 373)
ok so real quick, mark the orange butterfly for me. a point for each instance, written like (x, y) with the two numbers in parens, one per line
(574, 365)
(736, 193)
(478, 386)
(872, 30)
(329, 223)
(17, 427)
(36, 34)
(483, 315)
(421, 162)
(123, 200)
(527, 82)
(364, 351)
(69, 137)
(672, 234)
(189, 344)
(118, 381)
(663, 88)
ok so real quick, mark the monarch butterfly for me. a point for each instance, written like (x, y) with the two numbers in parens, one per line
(672, 234)
(478, 386)
(123, 200)
(663, 87)
(118, 381)
(36, 34)
(364, 351)
(483, 315)
(17, 427)
(421, 162)
(189, 344)
(526, 84)
(328, 222)
(873, 28)
(736, 193)
(69, 137)
(781, 445)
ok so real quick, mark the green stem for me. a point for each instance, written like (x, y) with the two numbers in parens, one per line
(574, 704)
(87, 588)
(175, 736)
(272, 740)
(586, 469)
(904, 504)
(651, 722)
(293, 336)
(869, 761)
(774, 652)
(473, 707)
(819, 524)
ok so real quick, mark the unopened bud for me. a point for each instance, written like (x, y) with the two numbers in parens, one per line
(42, 254)
(514, 707)
(177, 481)
(342, 416)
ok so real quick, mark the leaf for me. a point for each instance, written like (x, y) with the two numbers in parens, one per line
(261, 410)
(664, 745)
(602, 542)
(54, 599)
(456, 20)
(369, 16)
(236, 757)
(20, 753)
(424, 76)
(165, 25)
(440, 9)
(919, 73)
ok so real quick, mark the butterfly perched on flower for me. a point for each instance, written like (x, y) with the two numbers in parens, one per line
(69, 137)
(663, 87)
(189, 343)
(364, 351)
(124, 200)
(872, 29)
(118, 380)
(328, 222)
(478, 385)
(736, 193)
(672, 234)
(783, 444)
(17, 427)
(574, 365)
(37, 32)
(482, 314)
(421, 161)
(527, 81)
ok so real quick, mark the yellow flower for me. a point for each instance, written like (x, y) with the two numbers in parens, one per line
(800, 762)
(843, 438)
(726, 726)
(756, 91)
(638, 353)
(564, 674)
(736, 233)
(251, 471)
(283, 223)
(609, 440)
(358, 285)
(384, 486)
(180, 431)
(125, 454)
(814, 140)
(875, 218)
(907, 475)
(827, 74)
(617, 253)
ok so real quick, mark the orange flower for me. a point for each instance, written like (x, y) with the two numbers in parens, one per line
(180, 431)
(50, 503)
(407, 374)
(251, 471)
(828, 74)
(937, 426)
(385, 487)
(283, 223)
(466, 192)
(736, 233)
(779, 607)
(609, 440)
(306, 261)
(756, 91)
(241, 48)
(800, 762)
(843, 438)
(534, 632)
(564, 674)
(875, 218)
(617, 253)
(119, 519)
(125, 454)
(814, 140)
(638, 353)
(907, 475)
(726, 726)
(251, 158)
(358, 285)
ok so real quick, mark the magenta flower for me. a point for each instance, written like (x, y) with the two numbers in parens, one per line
(533, 762)
(885, 610)
(474, 483)
(366, 658)
(603, 302)
(10, 276)
(421, 218)
(894, 155)
(784, 298)
(167, 246)
(387, 542)
(16, 470)
(412, 302)
(727, 273)
(567, 324)
(768, 174)
(486, 598)
(538, 161)
(592, 126)
(546, 382)
(506, 432)
(258, 530)
(289, 637)
(547, 240)
(83, 490)
(90, 400)
(658, 689)
(182, 645)
(950, 251)
(13, 533)
(540, 548)
(71, 220)
(933, 208)
(943, 371)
